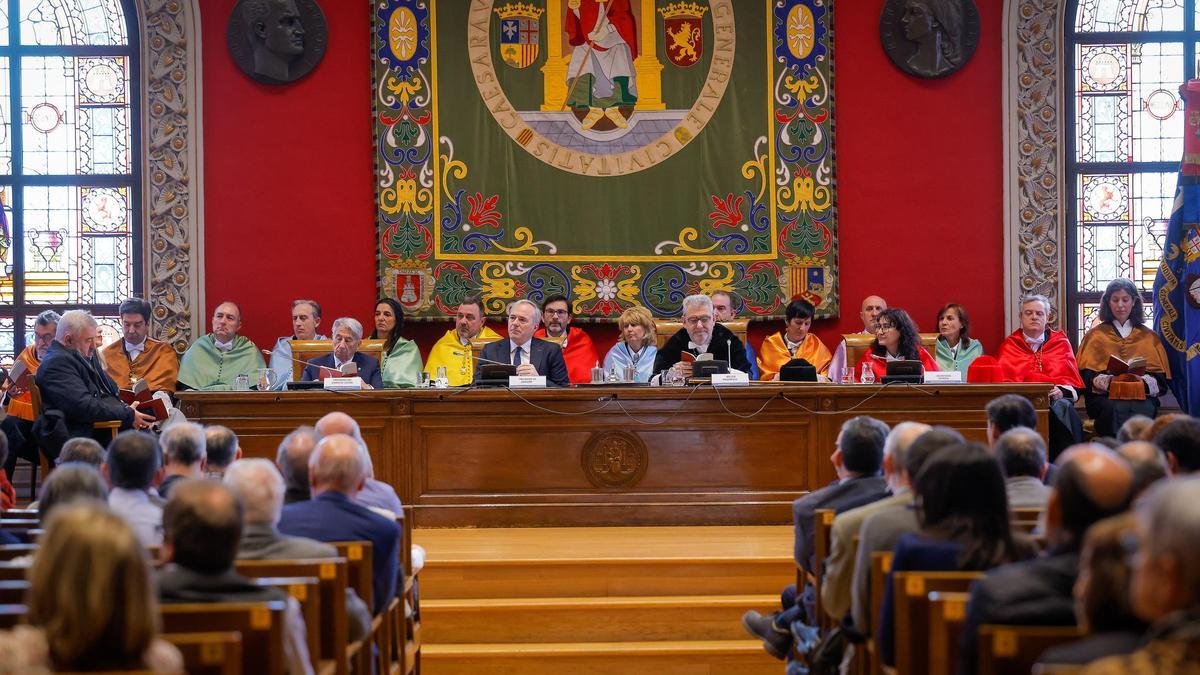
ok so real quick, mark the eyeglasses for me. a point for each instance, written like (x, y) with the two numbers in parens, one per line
(697, 320)
(556, 312)
(884, 327)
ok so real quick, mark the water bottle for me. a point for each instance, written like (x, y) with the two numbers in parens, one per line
(868, 375)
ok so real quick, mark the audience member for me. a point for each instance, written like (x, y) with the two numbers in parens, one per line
(184, 455)
(1009, 412)
(1157, 425)
(1103, 608)
(962, 510)
(1165, 585)
(84, 450)
(1133, 428)
(292, 460)
(857, 460)
(1092, 484)
(132, 467)
(202, 527)
(336, 475)
(1148, 462)
(374, 494)
(1022, 454)
(881, 531)
(1180, 439)
(839, 566)
(70, 481)
(221, 448)
(90, 605)
(258, 485)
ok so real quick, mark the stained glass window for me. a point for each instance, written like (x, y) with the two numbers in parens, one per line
(69, 169)
(1127, 59)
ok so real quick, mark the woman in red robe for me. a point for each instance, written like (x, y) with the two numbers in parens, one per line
(896, 339)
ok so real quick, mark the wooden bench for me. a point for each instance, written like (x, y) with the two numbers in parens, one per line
(910, 597)
(822, 544)
(1009, 650)
(13, 572)
(881, 564)
(11, 615)
(332, 580)
(13, 592)
(947, 613)
(21, 514)
(216, 653)
(359, 558)
(306, 592)
(259, 623)
(404, 612)
(11, 551)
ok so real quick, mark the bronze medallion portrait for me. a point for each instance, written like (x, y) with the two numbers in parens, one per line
(929, 38)
(277, 41)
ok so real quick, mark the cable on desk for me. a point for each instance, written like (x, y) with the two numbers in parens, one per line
(670, 417)
(598, 408)
(756, 413)
(858, 405)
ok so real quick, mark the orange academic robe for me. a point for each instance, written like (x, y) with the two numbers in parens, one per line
(774, 354)
(580, 355)
(21, 406)
(158, 364)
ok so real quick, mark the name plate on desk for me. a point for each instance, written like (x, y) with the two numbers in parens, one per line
(730, 380)
(527, 381)
(343, 383)
(943, 377)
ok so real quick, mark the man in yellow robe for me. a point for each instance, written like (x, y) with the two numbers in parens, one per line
(137, 356)
(18, 426)
(453, 350)
(793, 342)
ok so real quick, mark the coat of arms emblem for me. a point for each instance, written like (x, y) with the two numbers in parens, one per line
(520, 30)
(683, 32)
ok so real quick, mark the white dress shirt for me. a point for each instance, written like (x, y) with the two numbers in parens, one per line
(135, 351)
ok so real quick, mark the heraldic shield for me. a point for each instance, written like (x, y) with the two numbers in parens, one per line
(520, 30)
(683, 32)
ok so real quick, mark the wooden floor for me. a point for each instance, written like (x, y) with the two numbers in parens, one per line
(661, 600)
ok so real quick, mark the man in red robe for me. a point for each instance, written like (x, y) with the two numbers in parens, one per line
(578, 350)
(603, 34)
(1036, 353)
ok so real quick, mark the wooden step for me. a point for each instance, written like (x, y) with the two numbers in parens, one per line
(590, 619)
(709, 657)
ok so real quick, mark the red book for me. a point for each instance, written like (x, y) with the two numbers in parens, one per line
(1135, 366)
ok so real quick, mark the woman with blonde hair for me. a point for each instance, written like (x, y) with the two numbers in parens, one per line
(91, 604)
(637, 346)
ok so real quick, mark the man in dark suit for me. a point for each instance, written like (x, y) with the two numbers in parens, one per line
(1092, 484)
(531, 356)
(72, 381)
(858, 459)
(336, 474)
(701, 334)
(347, 336)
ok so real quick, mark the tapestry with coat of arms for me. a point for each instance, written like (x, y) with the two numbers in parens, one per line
(619, 152)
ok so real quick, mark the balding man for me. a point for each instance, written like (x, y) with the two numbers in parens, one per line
(1165, 588)
(292, 460)
(222, 449)
(872, 307)
(1022, 454)
(375, 494)
(1148, 463)
(347, 337)
(1093, 483)
(184, 455)
(215, 360)
(202, 527)
(336, 473)
(73, 382)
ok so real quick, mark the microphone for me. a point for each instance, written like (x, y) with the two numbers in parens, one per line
(496, 363)
(348, 368)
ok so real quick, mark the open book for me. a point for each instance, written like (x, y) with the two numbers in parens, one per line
(140, 393)
(348, 369)
(18, 379)
(1135, 366)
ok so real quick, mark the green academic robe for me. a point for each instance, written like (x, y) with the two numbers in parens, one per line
(402, 366)
(204, 367)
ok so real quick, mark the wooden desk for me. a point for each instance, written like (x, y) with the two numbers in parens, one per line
(602, 455)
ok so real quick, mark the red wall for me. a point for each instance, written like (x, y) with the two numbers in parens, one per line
(288, 180)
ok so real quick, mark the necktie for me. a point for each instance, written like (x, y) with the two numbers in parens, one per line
(517, 356)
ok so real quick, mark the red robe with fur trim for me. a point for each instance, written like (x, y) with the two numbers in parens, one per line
(1054, 362)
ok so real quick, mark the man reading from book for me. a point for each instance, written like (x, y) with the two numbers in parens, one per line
(138, 357)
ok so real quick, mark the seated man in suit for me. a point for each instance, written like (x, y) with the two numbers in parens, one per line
(858, 458)
(1022, 454)
(701, 334)
(336, 474)
(137, 356)
(185, 455)
(202, 525)
(214, 361)
(258, 485)
(1009, 412)
(531, 356)
(347, 336)
(1093, 483)
(73, 382)
(374, 493)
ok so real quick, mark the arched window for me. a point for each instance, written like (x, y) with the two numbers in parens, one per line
(70, 173)
(1125, 61)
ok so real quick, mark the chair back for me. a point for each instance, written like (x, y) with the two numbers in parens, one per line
(910, 594)
(1008, 650)
(11, 572)
(13, 592)
(947, 611)
(11, 551)
(307, 350)
(11, 615)
(21, 514)
(664, 329)
(822, 543)
(306, 591)
(215, 653)
(881, 564)
(259, 623)
(477, 345)
(332, 577)
(358, 555)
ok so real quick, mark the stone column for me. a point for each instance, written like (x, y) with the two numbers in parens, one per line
(647, 66)
(554, 72)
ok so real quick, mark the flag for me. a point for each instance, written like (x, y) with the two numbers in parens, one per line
(1177, 294)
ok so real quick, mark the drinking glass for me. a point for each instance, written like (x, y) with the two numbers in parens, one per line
(241, 382)
(848, 375)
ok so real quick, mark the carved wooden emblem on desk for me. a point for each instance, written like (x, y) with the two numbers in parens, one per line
(614, 459)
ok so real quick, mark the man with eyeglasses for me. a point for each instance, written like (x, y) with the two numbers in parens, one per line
(723, 310)
(577, 348)
(531, 356)
(700, 334)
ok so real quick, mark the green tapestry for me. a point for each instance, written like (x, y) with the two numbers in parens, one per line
(619, 152)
